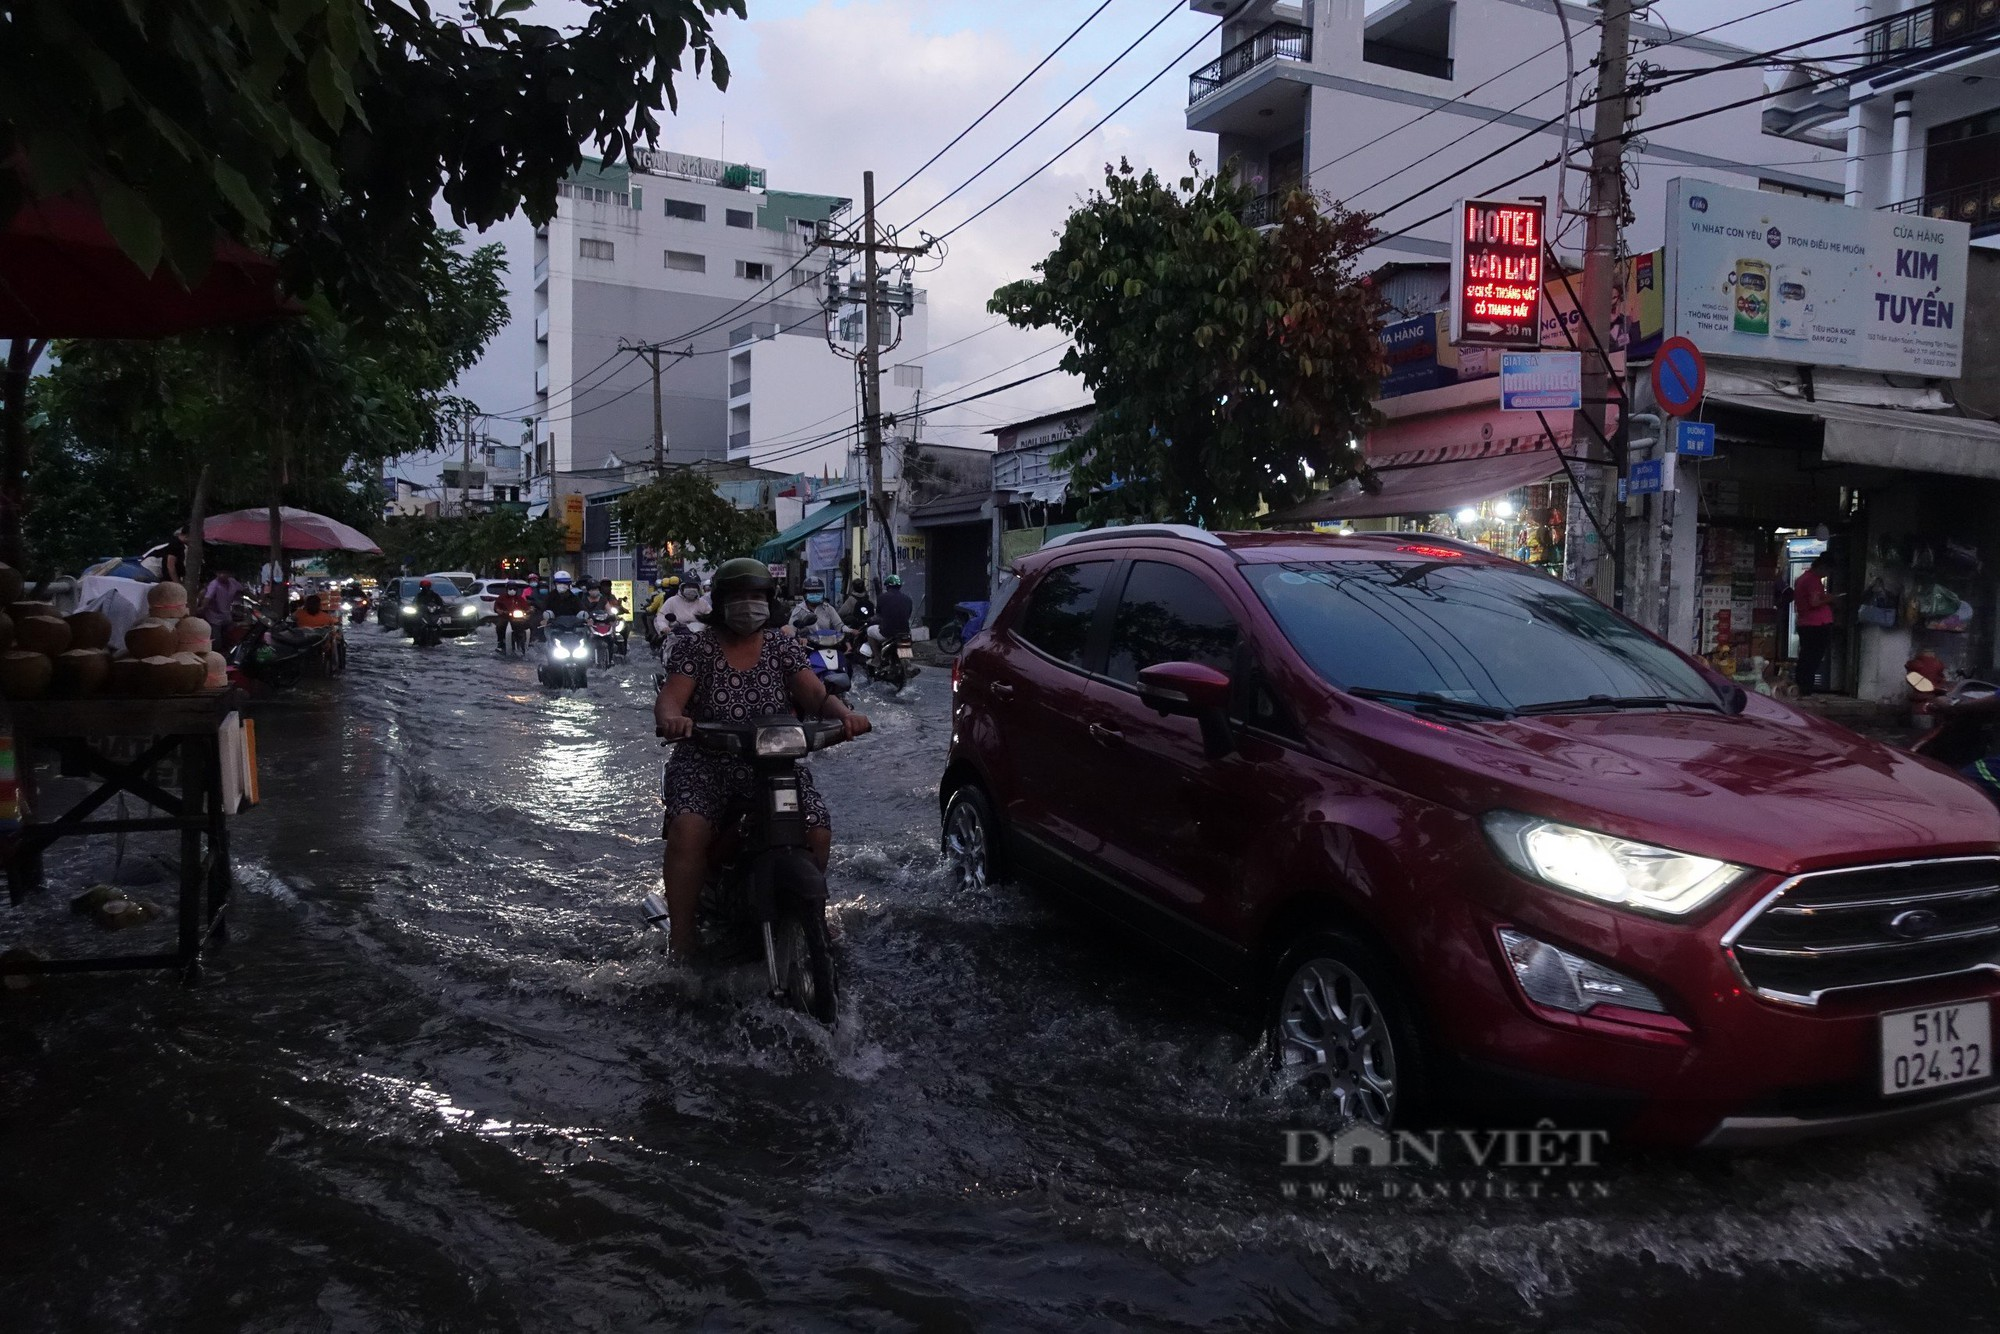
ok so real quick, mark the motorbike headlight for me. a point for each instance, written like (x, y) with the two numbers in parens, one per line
(1607, 869)
(781, 743)
(409, 609)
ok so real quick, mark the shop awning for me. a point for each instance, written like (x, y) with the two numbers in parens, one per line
(775, 549)
(1889, 437)
(965, 507)
(1430, 488)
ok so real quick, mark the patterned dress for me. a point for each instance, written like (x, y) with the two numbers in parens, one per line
(701, 782)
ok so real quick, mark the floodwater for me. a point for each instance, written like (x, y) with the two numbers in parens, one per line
(440, 1079)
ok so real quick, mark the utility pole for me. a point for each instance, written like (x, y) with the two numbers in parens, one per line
(872, 248)
(465, 458)
(652, 352)
(1601, 244)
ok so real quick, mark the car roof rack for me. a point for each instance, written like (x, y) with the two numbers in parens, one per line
(1187, 532)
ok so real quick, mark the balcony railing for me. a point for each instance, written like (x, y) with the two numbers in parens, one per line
(1977, 204)
(1267, 210)
(1277, 41)
(541, 272)
(1946, 23)
(738, 388)
(739, 441)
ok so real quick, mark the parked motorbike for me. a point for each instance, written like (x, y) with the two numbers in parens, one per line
(826, 653)
(566, 665)
(969, 621)
(1965, 726)
(765, 890)
(278, 652)
(517, 632)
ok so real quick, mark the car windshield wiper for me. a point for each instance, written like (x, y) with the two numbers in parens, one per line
(1611, 703)
(1431, 701)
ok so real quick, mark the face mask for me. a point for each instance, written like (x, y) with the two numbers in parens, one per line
(691, 594)
(814, 599)
(745, 616)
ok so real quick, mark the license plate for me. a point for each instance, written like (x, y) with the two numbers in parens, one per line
(785, 801)
(1935, 1046)
(903, 651)
(832, 661)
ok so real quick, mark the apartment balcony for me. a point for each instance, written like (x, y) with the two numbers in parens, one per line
(541, 273)
(739, 388)
(542, 379)
(1276, 41)
(1977, 204)
(1267, 210)
(739, 441)
(1930, 28)
(542, 327)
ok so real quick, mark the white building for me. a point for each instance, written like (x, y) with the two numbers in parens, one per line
(1396, 111)
(1920, 129)
(698, 255)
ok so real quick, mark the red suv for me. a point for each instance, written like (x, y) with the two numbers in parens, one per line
(1461, 827)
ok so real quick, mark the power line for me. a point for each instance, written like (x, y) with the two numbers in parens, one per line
(1166, 70)
(997, 105)
(1158, 23)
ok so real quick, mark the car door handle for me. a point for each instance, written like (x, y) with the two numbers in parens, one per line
(1001, 689)
(1100, 732)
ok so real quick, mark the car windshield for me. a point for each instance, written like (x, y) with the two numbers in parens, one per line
(444, 588)
(1430, 633)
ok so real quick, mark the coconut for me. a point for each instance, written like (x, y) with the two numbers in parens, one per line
(167, 601)
(218, 671)
(150, 639)
(89, 629)
(11, 584)
(24, 675)
(192, 635)
(82, 671)
(20, 611)
(161, 677)
(47, 635)
(191, 670)
(128, 677)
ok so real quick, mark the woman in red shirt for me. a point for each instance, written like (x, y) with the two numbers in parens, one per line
(1814, 607)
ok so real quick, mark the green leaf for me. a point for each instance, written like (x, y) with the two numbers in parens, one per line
(242, 198)
(131, 222)
(331, 91)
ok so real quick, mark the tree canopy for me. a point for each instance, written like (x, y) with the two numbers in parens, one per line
(483, 543)
(684, 509)
(324, 130)
(1232, 367)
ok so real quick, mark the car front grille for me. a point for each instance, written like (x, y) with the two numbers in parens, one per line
(1870, 926)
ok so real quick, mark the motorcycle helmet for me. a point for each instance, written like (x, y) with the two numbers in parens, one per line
(423, 583)
(562, 577)
(815, 591)
(893, 581)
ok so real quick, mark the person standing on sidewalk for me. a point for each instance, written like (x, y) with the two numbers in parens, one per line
(1814, 606)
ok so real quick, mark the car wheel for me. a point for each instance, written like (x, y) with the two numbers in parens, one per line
(969, 839)
(1343, 1032)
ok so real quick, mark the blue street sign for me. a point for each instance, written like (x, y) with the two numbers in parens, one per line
(1694, 439)
(1648, 477)
(1541, 381)
(648, 565)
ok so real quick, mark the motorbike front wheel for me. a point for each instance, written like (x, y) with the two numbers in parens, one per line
(805, 964)
(950, 641)
(603, 655)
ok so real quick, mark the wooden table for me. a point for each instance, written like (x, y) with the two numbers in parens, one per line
(188, 725)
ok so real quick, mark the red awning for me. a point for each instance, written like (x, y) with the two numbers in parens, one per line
(1431, 488)
(62, 276)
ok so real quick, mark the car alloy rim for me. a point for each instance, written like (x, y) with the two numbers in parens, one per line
(1334, 1039)
(965, 845)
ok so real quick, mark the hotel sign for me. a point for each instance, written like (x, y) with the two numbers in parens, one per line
(662, 163)
(1496, 274)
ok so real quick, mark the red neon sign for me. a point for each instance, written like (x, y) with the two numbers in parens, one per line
(1496, 268)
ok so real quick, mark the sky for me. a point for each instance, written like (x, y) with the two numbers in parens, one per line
(822, 90)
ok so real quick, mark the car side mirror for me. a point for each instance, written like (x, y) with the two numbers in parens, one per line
(1190, 690)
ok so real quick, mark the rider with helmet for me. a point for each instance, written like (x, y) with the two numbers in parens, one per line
(429, 599)
(894, 609)
(815, 615)
(686, 611)
(743, 670)
(562, 602)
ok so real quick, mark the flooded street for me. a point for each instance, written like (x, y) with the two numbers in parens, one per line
(440, 1079)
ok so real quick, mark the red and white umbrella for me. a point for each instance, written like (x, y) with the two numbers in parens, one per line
(298, 530)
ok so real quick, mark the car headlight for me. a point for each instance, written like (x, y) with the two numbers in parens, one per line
(1607, 869)
(781, 743)
(468, 610)
(1564, 981)
(409, 609)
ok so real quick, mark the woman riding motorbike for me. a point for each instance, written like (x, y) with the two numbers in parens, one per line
(744, 669)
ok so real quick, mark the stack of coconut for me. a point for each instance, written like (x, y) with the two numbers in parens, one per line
(42, 653)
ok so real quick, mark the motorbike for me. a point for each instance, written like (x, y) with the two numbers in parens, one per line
(603, 638)
(356, 608)
(1965, 724)
(969, 621)
(889, 660)
(764, 888)
(428, 630)
(826, 652)
(517, 632)
(566, 665)
(278, 653)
